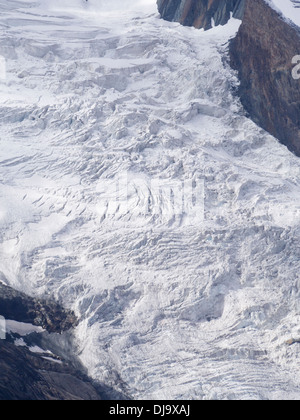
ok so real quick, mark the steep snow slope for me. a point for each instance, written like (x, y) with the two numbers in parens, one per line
(134, 190)
(288, 8)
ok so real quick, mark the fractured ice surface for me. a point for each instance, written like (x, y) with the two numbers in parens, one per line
(105, 118)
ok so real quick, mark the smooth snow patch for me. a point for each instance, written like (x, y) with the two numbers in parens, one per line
(290, 9)
(21, 328)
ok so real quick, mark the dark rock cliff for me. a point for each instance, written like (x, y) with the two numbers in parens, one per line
(47, 314)
(262, 54)
(43, 365)
(28, 376)
(199, 13)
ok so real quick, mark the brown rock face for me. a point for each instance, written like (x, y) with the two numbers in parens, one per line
(199, 13)
(262, 53)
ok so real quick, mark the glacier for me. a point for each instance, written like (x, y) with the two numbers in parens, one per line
(135, 191)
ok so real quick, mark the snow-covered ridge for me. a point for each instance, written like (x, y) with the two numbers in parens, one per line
(170, 306)
(290, 9)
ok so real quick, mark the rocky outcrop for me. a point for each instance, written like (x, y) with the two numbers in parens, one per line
(262, 54)
(25, 375)
(43, 365)
(200, 13)
(47, 314)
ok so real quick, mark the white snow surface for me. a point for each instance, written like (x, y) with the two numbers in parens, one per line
(184, 304)
(290, 9)
(21, 328)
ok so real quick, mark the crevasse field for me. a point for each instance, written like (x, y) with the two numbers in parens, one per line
(135, 191)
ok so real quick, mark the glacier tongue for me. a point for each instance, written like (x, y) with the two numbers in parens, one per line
(134, 190)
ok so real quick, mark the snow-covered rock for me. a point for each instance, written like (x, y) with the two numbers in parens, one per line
(290, 9)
